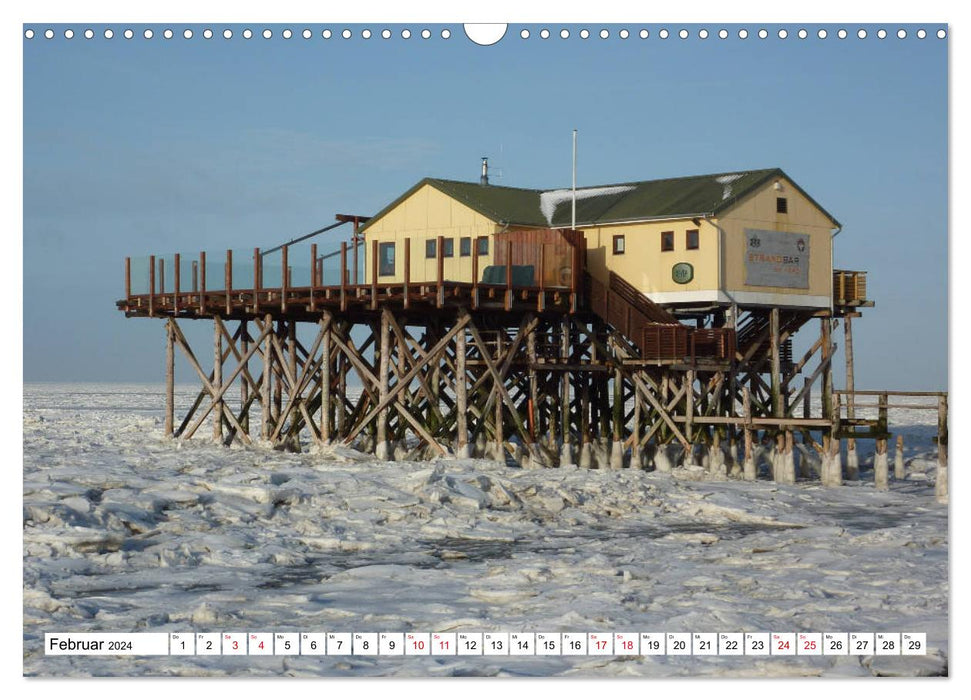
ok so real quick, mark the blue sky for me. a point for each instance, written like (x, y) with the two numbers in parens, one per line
(143, 146)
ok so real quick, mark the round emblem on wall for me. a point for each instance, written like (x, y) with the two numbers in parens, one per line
(682, 273)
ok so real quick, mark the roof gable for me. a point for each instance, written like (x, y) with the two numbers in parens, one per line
(696, 195)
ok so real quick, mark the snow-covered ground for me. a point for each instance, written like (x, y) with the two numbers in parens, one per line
(127, 531)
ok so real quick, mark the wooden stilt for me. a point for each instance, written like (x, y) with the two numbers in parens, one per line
(325, 379)
(689, 408)
(499, 449)
(382, 450)
(341, 406)
(617, 447)
(169, 378)
(566, 451)
(899, 469)
(941, 486)
(852, 460)
(776, 378)
(881, 471)
(244, 385)
(281, 332)
(266, 414)
(637, 456)
(461, 396)
(749, 471)
(217, 418)
(848, 354)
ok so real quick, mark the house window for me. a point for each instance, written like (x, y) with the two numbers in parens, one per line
(667, 240)
(385, 259)
(465, 247)
(691, 239)
(431, 246)
(618, 245)
(781, 205)
(482, 245)
(448, 247)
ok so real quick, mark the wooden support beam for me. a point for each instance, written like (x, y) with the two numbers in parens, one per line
(848, 354)
(461, 395)
(267, 415)
(180, 338)
(776, 377)
(198, 402)
(497, 376)
(533, 405)
(689, 407)
(217, 422)
(169, 377)
(325, 378)
(221, 389)
(656, 405)
(381, 448)
(941, 483)
(565, 382)
(401, 385)
(244, 386)
(297, 385)
(749, 471)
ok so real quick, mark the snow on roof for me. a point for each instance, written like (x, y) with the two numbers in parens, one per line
(548, 201)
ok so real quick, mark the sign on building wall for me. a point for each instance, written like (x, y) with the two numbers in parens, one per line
(776, 259)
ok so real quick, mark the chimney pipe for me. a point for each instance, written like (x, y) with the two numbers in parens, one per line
(484, 178)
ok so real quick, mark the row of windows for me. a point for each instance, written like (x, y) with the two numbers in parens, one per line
(667, 241)
(386, 251)
(448, 247)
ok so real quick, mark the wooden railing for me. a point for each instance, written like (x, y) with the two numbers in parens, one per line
(655, 331)
(846, 402)
(254, 295)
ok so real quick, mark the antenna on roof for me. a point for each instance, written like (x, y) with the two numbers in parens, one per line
(573, 219)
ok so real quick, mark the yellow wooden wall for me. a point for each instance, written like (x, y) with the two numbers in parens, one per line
(758, 211)
(428, 213)
(644, 265)
(719, 262)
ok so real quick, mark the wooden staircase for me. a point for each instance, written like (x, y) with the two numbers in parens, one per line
(656, 333)
(753, 334)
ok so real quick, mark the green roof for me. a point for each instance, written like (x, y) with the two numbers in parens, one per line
(630, 201)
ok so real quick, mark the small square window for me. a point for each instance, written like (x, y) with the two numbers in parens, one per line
(385, 259)
(781, 205)
(465, 247)
(691, 239)
(431, 248)
(618, 245)
(482, 245)
(667, 240)
(448, 247)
